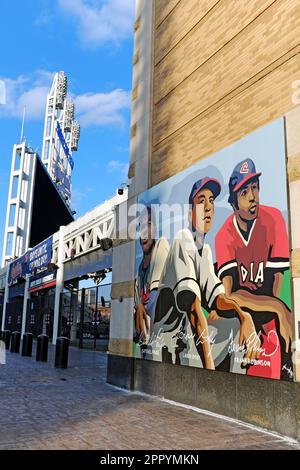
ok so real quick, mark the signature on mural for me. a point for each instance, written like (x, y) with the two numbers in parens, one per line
(289, 370)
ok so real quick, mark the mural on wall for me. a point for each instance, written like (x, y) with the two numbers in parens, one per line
(213, 263)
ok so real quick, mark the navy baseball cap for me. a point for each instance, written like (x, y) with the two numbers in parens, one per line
(242, 172)
(206, 182)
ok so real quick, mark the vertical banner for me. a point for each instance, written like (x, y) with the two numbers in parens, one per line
(213, 284)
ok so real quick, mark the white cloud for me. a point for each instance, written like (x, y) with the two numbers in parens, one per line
(114, 166)
(102, 108)
(2, 92)
(78, 197)
(91, 109)
(44, 16)
(27, 90)
(100, 21)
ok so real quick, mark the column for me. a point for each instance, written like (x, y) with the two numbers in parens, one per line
(293, 154)
(5, 298)
(120, 370)
(59, 283)
(25, 301)
(74, 311)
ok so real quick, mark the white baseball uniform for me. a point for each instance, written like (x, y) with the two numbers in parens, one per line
(188, 270)
(188, 273)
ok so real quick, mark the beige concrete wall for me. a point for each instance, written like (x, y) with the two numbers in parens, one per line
(141, 112)
(121, 330)
(122, 292)
(120, 335)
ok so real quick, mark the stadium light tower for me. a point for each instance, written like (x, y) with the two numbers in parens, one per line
(61, 136)
(19, 204)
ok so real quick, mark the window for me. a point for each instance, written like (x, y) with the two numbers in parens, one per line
(17, 161)
(15, 187)
(12, 215)
(9, 247)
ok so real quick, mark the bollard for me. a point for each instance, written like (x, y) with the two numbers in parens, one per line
(27, 344)
(61, 352)
(6, 335)
(42, 348)
(15, 342)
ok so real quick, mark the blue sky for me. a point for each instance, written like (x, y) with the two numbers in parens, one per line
(92, 41)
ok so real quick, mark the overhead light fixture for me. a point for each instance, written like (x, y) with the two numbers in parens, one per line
(106, 243)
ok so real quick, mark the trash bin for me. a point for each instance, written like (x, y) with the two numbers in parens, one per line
(62, 352)
(15, 342)
(27, 344)
(6, 335)
(42, 348)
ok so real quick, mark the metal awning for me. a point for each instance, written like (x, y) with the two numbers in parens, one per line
(89, 263)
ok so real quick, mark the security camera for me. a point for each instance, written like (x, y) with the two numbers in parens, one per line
(122, 188)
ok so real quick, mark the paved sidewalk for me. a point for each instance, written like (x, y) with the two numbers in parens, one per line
(47, 408)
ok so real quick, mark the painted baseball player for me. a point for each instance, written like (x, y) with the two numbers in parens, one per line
(189, 283)
(252, 252)
(149, 272)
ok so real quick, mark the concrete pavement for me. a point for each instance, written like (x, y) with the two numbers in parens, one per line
(46, 408)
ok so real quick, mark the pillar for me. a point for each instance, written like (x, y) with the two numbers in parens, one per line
(5, 298)
(293, 156)
(59, 283)
(25, 301)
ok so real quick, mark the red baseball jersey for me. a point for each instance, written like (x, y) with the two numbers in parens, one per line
(254, 262)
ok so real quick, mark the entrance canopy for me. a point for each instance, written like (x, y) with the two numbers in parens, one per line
(89, 263)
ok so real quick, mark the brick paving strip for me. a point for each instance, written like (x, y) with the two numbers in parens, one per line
(47, 408)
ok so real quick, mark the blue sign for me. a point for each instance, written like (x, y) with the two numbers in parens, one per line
(40, 256)
(18, 269)
(36, 258)
(64, 145)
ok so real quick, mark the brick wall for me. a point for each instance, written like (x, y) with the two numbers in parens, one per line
(221, 70)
